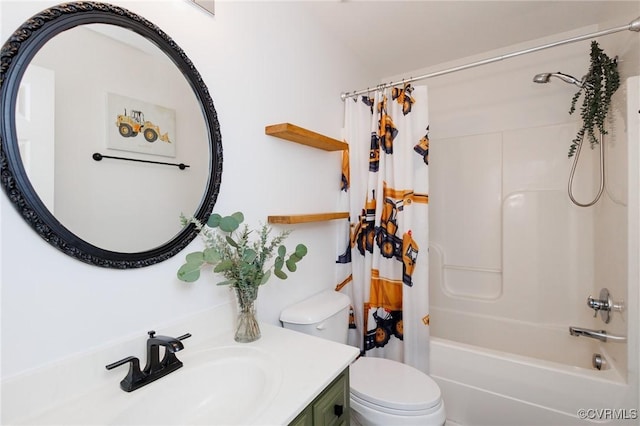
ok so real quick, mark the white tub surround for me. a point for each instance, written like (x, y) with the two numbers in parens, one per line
(509, 279)
(289, 370)
(544, 342)
(488, 387)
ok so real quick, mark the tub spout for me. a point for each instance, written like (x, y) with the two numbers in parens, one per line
(596, 334)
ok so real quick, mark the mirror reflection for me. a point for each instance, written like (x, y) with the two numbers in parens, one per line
(101, 88)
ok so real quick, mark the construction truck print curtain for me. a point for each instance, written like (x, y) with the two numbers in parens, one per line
(385, 179)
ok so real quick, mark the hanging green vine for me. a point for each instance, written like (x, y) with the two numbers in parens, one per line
(598, 87)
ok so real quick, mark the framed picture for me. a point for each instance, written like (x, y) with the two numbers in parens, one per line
(138, 126)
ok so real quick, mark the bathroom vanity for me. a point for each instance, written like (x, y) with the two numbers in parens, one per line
(283, 378)
(331, 407)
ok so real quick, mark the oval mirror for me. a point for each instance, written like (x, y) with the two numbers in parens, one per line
(108, 135)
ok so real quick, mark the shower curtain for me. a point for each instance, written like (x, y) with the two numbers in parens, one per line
(385, 258)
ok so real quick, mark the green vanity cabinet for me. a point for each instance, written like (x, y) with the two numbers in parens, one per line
(330, 408)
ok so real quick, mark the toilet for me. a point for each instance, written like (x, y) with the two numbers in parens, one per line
(383, 392)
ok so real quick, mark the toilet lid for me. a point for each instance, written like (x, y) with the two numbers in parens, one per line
(393, 385)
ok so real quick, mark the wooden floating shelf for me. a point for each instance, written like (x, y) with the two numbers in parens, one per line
(304, 218)
(297, 134)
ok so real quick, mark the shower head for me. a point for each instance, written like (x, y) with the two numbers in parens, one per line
(545, 77)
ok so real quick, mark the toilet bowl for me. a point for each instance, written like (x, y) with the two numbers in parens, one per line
(383, 391)
(386, 392)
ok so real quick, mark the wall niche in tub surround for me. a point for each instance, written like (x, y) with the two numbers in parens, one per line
(109, 213)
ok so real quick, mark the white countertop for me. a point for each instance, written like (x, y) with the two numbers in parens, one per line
(305, 366)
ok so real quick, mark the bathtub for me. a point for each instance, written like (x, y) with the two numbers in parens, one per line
(486, 379)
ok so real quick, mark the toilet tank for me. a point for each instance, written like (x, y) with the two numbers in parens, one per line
(324, 315)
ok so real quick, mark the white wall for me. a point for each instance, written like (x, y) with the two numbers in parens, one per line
(633, 292)
(612, 215)
(262, 65)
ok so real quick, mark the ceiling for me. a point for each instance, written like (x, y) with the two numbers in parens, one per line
(394, 37)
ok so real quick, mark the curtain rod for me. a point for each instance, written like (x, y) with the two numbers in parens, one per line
(632, 26)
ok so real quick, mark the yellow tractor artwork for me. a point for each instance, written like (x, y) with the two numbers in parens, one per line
(129, 125)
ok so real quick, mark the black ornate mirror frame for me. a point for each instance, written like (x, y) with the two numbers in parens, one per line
(16, 55)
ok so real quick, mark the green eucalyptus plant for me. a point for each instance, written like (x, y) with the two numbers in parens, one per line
(598, 87)
(240, 259)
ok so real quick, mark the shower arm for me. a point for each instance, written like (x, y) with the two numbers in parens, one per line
(573, 171)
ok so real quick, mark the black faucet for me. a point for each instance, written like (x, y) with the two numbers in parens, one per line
(155, 367)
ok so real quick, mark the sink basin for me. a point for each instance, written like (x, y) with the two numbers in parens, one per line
(223, 385)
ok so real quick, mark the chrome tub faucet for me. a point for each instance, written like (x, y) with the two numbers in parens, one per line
(596, 334)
